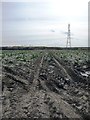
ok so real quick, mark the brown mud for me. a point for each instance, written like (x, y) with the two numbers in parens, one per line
(45, 88)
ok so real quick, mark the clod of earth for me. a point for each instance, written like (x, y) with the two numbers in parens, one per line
(45, 84)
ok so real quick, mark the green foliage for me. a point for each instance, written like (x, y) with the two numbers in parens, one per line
(34, 56)
(20, 55)
(72, 56)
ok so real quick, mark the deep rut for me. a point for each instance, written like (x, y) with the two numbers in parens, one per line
(51, 106)
(48, 95)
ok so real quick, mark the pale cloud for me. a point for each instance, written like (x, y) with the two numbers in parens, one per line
(29, 22)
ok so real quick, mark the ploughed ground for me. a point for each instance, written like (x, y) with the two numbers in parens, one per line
(46, 86)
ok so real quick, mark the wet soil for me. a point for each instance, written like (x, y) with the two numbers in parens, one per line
(45, 88)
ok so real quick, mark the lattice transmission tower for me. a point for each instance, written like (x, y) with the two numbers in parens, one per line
(68, 43)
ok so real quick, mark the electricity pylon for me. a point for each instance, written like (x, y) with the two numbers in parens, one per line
(68, 43)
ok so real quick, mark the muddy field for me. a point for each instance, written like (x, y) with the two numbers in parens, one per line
(45, 84)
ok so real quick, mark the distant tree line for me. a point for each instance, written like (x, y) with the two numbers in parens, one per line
(41, 48)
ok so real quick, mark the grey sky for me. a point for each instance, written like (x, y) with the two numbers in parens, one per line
(30, 23)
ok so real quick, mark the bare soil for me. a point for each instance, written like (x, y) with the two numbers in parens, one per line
(46, 87)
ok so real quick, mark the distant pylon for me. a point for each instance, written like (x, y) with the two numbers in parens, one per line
(68, 43)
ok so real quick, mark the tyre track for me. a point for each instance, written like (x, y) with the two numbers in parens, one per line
(34, 99)
(36, 74)
(65, 109)
(45, 98)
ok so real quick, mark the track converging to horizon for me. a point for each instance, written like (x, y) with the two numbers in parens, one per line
(43, 88)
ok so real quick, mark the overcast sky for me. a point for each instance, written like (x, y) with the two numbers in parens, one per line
(44, 22)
